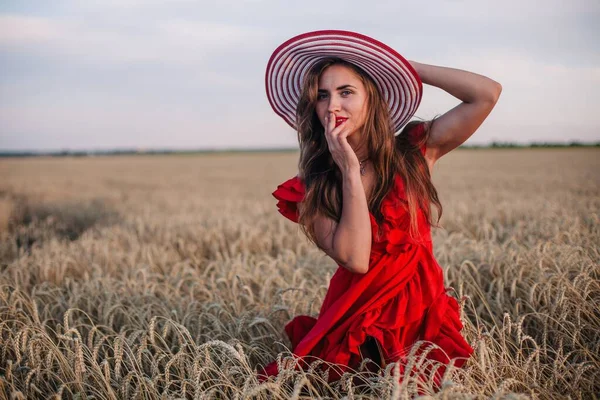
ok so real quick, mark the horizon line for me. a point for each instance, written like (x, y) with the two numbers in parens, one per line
(142, 151)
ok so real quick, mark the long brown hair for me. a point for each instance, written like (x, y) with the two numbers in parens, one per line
(389, 155)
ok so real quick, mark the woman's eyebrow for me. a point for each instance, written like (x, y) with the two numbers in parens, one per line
(338, 88)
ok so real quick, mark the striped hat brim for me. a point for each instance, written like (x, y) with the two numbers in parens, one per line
(398, 82)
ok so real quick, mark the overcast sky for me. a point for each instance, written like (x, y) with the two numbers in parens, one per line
(182, 74)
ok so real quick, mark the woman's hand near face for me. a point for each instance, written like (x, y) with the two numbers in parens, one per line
(337, 142)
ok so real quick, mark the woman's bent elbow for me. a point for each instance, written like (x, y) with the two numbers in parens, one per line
(363, 269)
(357, 268)
(496, 91)
(355, 262)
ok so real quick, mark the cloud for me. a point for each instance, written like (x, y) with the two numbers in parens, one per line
(17, 30)
(164, 41)
(131, 124)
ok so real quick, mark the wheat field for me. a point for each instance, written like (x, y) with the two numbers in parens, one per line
(155, 277)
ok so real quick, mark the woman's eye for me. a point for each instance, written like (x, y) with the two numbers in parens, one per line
(346, 93)
(321, 96)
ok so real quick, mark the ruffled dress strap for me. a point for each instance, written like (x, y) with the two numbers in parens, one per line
(289, 194)
(416, 134)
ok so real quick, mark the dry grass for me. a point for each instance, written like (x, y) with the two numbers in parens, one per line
(6, 210)
(172, 277)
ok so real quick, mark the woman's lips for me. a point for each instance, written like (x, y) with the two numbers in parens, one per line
(339, 121)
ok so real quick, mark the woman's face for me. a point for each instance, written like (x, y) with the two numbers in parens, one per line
(342, 92)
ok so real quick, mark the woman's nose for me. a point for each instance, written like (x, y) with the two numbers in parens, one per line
(334, 104)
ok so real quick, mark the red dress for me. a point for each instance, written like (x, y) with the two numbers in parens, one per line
(400, 300)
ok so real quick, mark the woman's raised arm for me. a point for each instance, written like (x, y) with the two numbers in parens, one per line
(479, 95)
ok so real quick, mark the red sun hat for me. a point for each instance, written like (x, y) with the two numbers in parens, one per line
(398, 82)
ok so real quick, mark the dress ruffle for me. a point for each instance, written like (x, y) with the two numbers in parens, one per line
(289, 194)
(399, 301)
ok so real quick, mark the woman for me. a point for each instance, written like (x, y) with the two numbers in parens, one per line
(363, 194)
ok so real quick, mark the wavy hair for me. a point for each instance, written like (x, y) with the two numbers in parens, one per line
(389, 154)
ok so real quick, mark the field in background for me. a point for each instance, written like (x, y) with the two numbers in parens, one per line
(152, 276)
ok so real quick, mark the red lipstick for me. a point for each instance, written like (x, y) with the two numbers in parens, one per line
(339, 121)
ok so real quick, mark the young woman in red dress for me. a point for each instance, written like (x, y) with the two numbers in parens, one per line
(363, 194)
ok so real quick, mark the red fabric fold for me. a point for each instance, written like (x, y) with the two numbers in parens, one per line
(289, 194)
(416, 134)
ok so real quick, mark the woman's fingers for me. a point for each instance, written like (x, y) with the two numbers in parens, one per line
(333, 131)
(342, 140)
(328, 134)
(330, 122)
(337, 143)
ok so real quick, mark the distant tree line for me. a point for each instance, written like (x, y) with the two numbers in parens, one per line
(117, 152)
(512, 145)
